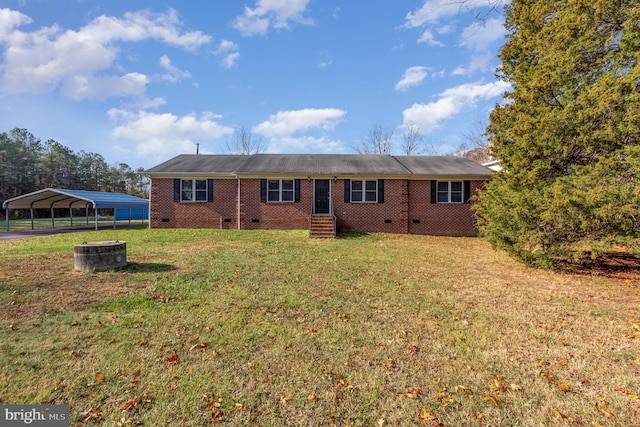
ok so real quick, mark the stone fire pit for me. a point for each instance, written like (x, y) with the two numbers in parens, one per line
(100, 256)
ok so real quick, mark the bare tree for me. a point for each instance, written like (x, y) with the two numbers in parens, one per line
(244, 142)
(477, 147)
(412, 140)
(379, 140)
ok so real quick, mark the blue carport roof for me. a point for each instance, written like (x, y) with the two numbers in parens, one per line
(63, 198)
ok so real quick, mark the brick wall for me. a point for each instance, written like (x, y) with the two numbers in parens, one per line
(389, 217)
(165, 213)
(439, 219)
(406, 209)
(274, 215)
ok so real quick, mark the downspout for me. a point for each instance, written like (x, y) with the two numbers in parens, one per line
(149, 211)
(238, 178)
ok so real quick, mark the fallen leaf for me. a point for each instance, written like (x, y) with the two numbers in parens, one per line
(100, 378)
(564, 387)
(131, 403)
(174, 359)
(607, 413)
(494, 399)
(199, 346)
(411, 393)
(600, 407)
(425, 416)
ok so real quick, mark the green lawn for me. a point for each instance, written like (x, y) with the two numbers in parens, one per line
(271, 328)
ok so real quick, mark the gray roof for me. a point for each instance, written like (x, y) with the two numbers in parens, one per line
(443, 165)
(321, 164)
(61, 198)
(204, 163)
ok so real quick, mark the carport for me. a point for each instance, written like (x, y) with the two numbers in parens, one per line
(56, 198)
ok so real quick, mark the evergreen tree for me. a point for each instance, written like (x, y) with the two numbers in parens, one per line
(568, 133)
(20, 153)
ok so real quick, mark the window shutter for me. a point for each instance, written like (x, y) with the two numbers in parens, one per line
(466, 192)
(176, 190)
(434, 191)
(347, 191)
(381, 191)
(296, 187)
(210, 190)
(263, 190)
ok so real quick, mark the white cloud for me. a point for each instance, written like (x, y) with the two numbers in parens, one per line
(451, 102)
(432, 11)
(101, 87)
(479, 36)
(413, 76)
(174, 74)
(229, 51)
(51, 58)
(287, 123)
(10, 19)
(162, 135)
(230, 60)
(306, 144)
(428, 38)
(271, 13)
(479, 61)
(226, 46)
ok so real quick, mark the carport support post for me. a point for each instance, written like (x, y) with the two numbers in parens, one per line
(31, 212)
(95, 214)
(6, 216)
(71, 215)
(53, 221)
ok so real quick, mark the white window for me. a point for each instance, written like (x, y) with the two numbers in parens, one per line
(280, 190)
(450, 192)
(364, 191)
(193, 190)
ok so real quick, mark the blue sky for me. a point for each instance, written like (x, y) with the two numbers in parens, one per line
(142, 81)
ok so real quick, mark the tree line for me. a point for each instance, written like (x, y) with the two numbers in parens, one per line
(27, 164)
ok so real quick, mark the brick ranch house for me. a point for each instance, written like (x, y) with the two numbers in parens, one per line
(324, 193)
